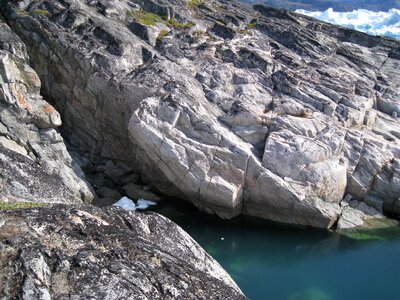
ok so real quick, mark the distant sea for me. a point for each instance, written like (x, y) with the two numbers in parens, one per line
(375, 23)
(336, 5)
(375, 17)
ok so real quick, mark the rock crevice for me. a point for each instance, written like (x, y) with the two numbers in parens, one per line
(34, 162)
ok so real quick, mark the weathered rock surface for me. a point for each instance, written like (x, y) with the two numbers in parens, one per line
(237, 109)
(82, 252)
(34, 162)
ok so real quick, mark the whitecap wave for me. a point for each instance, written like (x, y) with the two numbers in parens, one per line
(375, 23)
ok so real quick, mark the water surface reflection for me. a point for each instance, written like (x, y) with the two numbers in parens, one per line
(275, 261)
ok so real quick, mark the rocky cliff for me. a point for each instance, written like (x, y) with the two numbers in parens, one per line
(75, 250)
(82, 252)
(34, 162)
(238, 109)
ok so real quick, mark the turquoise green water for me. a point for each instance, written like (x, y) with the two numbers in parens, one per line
(273, 261)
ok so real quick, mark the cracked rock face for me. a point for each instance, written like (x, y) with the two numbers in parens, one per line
(69, 252)
(237, 109)
(34, 162)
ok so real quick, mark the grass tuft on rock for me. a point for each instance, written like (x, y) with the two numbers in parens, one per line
(144, 17)
(250, 26)
(193, 3)
(4, 206)
(176, 24)
(150, 19)
(40, 12)
(163, 33)
(22, 12)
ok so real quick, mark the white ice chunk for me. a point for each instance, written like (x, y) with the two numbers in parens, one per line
(126, 203)
(148, 202)
(143, 204)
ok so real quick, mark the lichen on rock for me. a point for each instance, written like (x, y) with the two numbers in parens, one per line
(81, 251)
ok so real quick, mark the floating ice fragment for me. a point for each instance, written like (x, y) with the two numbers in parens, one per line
(147, 202)
(143, 204)
(125, 203)
(128, 204)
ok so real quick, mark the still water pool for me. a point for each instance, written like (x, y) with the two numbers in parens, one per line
(274, 261)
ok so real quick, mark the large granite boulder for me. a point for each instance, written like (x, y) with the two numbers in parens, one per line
(34, 162)
(83, 252)
(237, 109)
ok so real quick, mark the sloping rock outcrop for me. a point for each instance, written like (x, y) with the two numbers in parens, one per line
(84, 252)
(34, 162)
(237, 109)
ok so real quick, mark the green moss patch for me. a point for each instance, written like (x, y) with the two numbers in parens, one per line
(41, 12)
(176, 24)
(379, 229)
(163, 33)
(150, 19)
(194, 3)
(22, 12)
(250, 26)
(245, 32)
(376, 223)
(20, 205)
(144, 17)
(357, 235)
